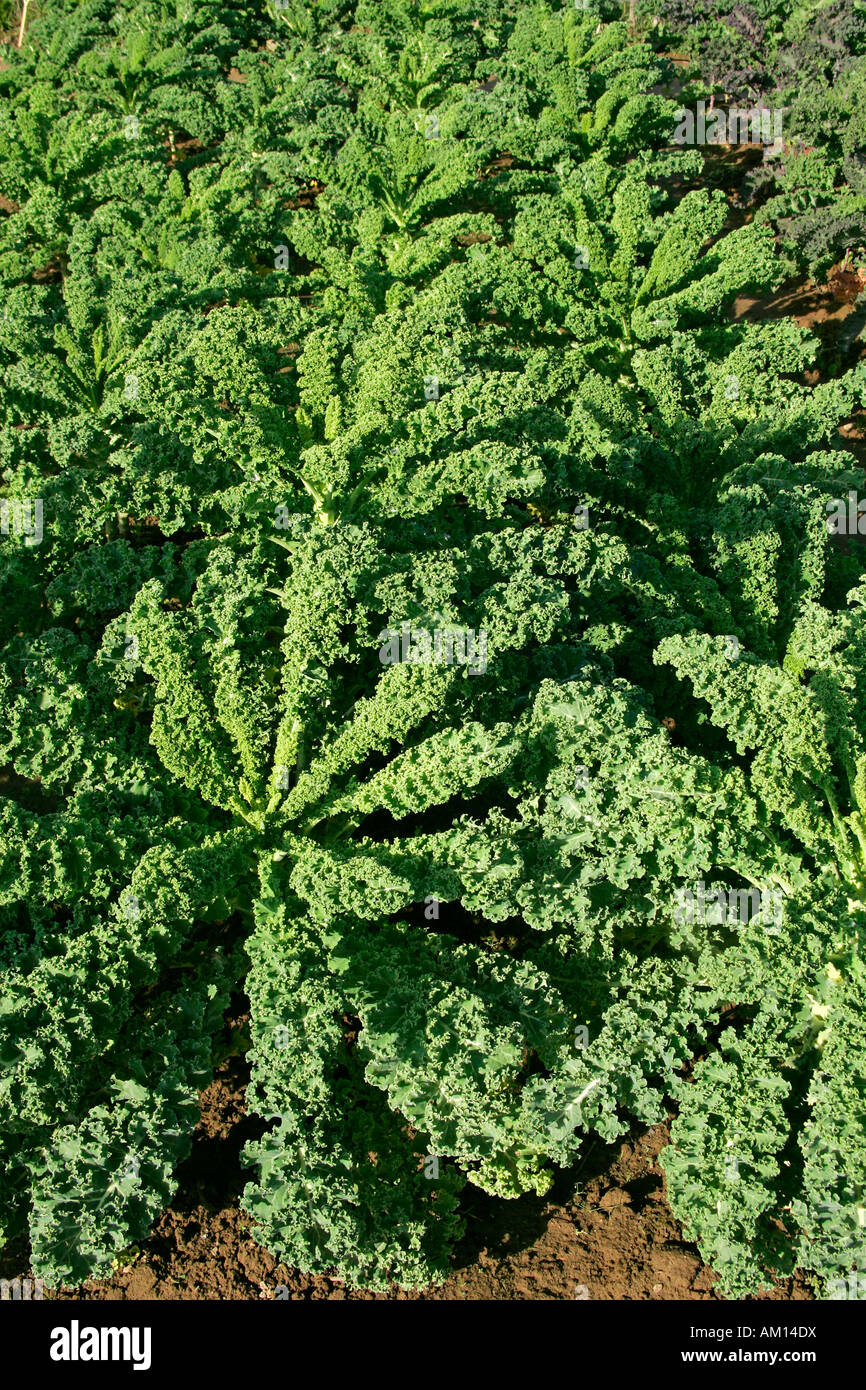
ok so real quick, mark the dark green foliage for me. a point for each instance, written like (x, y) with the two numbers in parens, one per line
(808, 62)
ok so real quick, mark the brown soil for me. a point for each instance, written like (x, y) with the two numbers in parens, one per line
(605, 1231)
(823, 308)
(853, 433)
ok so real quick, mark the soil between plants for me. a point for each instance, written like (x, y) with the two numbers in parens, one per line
(604, 1231)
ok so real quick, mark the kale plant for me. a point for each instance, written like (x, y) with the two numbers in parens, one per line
(420, 615)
